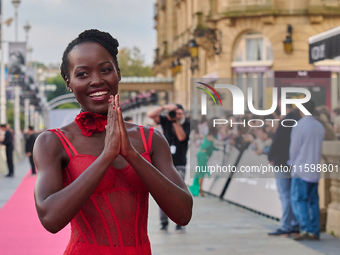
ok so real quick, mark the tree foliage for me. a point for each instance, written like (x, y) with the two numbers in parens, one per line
(61, 90)
(69, 106)
(131, 63)
(10, 115)
(61, 87)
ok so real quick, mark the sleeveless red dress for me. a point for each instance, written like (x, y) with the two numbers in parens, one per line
(114, 219)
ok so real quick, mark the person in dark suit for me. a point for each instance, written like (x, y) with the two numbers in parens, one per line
(30, 140)
(8, 142)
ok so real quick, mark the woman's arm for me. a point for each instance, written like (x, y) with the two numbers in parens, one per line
(56, 205)
(163, 181)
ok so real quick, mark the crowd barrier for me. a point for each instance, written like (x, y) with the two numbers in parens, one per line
(255, 191)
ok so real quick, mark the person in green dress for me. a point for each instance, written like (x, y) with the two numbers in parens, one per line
(207, 148)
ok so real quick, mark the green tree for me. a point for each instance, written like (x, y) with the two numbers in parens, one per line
(61, 87)
(61, 90)
(132, 63)
(10, 115)
(69, 106)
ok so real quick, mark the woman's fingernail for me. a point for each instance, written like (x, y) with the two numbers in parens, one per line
(114, 107)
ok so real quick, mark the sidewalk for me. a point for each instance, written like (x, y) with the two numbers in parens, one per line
(217, 227)
(9, 185)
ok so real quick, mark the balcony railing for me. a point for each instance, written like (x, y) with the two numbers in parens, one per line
(331, 3)
(245, 7)
(246, 2)
(324, 7)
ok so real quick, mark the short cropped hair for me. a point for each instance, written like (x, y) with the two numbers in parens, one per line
(180, 107)
(93, 35)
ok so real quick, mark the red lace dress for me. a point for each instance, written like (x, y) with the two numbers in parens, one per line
(114, 219)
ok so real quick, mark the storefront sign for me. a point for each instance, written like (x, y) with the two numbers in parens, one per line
(317, 82)
(324, 45)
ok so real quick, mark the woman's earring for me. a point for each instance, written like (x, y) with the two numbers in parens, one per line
(69, 89)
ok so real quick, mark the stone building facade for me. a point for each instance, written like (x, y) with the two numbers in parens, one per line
(243, 40)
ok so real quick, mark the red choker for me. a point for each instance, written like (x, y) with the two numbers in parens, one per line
(90, 122)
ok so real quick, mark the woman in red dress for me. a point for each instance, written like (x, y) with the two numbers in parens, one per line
(97, 172)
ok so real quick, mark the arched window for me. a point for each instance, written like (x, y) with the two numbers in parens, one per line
(252, 60)
(253, 47)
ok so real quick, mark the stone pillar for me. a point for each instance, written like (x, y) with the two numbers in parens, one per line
(324, 198)
(333, 212)
(331, 153)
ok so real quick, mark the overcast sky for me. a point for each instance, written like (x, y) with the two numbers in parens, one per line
(54, 23)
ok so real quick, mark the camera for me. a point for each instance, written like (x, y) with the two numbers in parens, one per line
(172, 114)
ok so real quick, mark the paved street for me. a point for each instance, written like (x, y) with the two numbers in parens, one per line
(217, 227)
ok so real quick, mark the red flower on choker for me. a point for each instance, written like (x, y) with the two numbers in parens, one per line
(90, 122)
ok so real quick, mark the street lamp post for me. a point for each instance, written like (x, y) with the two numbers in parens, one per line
(17, 88)
(27, 28)
(3, 117)
(16, 4)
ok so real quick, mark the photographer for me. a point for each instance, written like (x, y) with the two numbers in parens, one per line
(176, 129)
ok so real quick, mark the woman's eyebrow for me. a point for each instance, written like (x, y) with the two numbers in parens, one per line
(81, 67)
(102, 63)
(105, 62)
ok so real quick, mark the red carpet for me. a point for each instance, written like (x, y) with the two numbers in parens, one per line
(20, 229)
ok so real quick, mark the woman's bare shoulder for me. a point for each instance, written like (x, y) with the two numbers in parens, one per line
(49, 139)
(46, 136)
(135, 129)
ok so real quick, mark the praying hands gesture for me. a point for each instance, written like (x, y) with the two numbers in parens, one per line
(116, 140)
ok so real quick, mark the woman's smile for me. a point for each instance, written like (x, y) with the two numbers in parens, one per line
(99, 95)
(93, 76)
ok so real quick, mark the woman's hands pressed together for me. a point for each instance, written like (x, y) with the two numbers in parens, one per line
(112, 138)
(116, 140)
